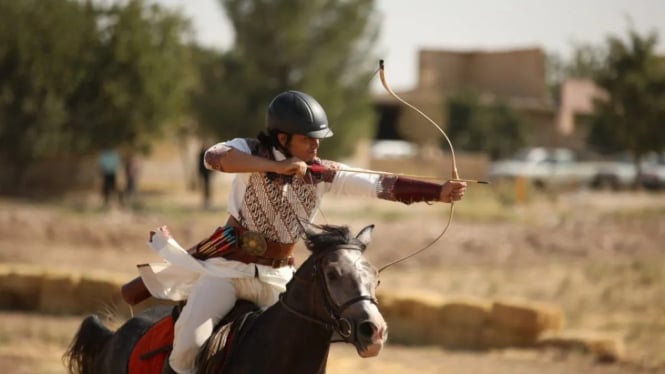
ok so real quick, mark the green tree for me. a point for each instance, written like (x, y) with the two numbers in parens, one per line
(139, 78)
(40, 70)
(584, 62)
(322, 47)
(218, 101)
(632, 116)
(76, 77)
(491, 128)
(207, 93)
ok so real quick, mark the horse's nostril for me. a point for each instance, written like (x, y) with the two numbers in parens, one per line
(366, 329)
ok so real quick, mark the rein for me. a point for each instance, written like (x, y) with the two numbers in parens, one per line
(335, 322)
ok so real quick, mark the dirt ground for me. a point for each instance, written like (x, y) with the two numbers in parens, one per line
(597, 256)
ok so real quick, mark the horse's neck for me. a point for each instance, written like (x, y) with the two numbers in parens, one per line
(284, 342)
(303, 340)
(299, 332)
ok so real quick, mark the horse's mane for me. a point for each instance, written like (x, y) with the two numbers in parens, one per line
(329, 236)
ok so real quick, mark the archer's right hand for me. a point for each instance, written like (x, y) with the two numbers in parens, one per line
(291, 166)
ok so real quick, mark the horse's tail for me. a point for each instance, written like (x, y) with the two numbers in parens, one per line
(90, 339)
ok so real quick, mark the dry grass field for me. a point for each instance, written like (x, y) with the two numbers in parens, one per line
(599, 257)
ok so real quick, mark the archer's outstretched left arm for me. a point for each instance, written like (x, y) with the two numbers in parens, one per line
(409, 190)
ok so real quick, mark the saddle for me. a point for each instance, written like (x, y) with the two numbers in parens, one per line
(153, 348)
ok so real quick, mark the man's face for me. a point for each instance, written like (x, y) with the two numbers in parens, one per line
(302, 147)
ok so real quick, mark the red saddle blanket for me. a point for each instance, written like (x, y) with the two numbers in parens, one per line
(153, 348)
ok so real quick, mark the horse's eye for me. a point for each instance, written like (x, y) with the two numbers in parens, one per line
(333, 275)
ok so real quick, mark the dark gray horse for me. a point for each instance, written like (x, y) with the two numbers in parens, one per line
(332, 293)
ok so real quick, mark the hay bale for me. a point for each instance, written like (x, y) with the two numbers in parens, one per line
(525, 318)
(427, 330)
(409, 332)
(460, 337)
(458, 323)
(30, 288)
(99, 293)
(399, 308)
(605, 348)
(427, 318)
(59, 293)
(468, 313)
(20, 287)
(497, 337)
(412, 317)
(413, 305)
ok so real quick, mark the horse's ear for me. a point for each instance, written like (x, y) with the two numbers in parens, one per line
(308, 228)
(365, 235)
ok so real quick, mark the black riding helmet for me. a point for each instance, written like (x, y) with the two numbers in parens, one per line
(295, 112)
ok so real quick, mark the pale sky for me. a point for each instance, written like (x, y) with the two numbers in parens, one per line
(409, 25)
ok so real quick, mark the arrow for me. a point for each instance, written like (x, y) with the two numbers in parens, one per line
(317, 168)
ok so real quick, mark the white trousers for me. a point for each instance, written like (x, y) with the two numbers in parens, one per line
(211, 298)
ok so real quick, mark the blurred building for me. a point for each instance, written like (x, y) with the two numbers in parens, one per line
(514, 77)
(576, 99)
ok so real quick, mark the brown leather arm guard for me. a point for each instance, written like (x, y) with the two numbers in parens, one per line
(407, 190)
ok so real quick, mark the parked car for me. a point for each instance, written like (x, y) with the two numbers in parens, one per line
(619, 172)
(545, 167)
(393, 149)
(653, 174)
(616, 173)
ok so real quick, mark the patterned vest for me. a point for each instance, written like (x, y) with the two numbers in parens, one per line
(275, 205)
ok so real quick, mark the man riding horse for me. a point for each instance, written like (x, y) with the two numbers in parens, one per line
(274, 192)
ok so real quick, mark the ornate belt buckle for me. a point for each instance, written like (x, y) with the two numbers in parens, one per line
(253, 243)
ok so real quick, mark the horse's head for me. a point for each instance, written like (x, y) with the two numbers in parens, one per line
(342, 284)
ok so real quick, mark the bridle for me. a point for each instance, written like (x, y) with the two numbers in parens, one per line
(335, 320)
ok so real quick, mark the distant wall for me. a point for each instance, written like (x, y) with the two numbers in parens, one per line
(512, 73)
(514, 77)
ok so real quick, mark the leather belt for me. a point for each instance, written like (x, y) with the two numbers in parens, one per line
(261, 260)
(276, 255)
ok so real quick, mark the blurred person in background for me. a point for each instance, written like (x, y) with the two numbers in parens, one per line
(109, 161)
(278, 185)
(131, 168)
(204, 177)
